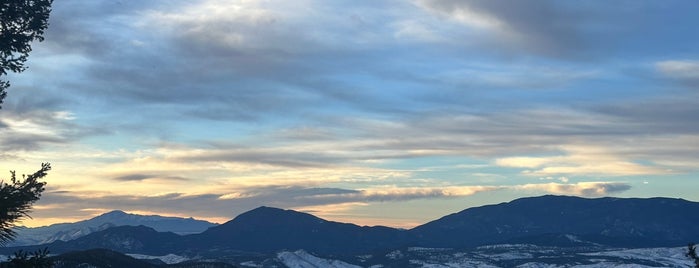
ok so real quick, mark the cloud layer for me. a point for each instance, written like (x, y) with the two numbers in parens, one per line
(177, 107)
(217, 207)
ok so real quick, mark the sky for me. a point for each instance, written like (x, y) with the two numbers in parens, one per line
(372, 112)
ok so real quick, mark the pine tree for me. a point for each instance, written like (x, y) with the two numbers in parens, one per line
(16, 199)
(21, 22)
(36, 259)
(692, 253)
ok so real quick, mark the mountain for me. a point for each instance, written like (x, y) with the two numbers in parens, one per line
(268, 229)
(264, 230)
(125, 239)
(70, 231)
(558, 223)
(627, 222)
(98, 258)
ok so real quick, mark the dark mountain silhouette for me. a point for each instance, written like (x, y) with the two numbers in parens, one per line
(70, 231)
(260, 230)
(610, 221)
(268, 229)
(126, 239)
(98, 258)
(554, 221)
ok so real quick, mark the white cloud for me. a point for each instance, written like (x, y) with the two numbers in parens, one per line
(681, 69)
(415, 30)
(285, 28)
(233, 24)
(463, 14)
(524, 161)
(561, 179)
(398, 193)
(580, 160)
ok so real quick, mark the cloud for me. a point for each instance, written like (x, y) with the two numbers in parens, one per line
(72, 204)
(617, 140)
(235, 96)
(407, 193)
(279, 156)
(246, 60)
(522, 162)
(686, 71)
(561, 179)
(543, 27)
(142, 177)
(580, 161)
(589, 189)
(77, 27)
(38, 129)
(132, 177)
(566, 30)
(608, 142)
(679, 68)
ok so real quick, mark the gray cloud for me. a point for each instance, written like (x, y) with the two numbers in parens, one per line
(142, 177)
(588, 189)
(542, 26)
(263, 62)
(132, 177)
(270, 156)
(255, 65)
(686, 72)
(78, 27)
(610, 188)
(34, 130)
(652, 131)
(573, 29)
(669, 115)
(156, 53)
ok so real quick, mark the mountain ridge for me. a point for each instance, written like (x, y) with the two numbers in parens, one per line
(74, 230)
(659, 221)
(267, 229)
(545, 220)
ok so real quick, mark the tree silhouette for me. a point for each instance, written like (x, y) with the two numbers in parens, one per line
(692, 253)
(36, 259)
(21, 22)
(16, 199)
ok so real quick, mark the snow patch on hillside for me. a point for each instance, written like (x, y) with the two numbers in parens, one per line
(169, 258)
(453, 264)
(301, 259)
(670, 257)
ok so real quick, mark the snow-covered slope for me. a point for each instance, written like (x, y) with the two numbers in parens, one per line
(505, 255)
(169, 258)
(529, 256)
(301, 259)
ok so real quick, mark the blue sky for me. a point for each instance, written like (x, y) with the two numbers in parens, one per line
(372, 112)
